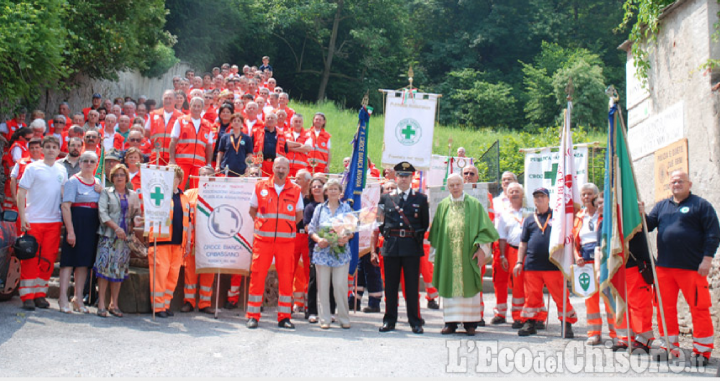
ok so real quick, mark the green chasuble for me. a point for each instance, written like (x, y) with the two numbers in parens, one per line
(457, 228)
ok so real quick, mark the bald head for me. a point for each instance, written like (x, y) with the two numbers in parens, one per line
(470, 174)
(680, 185)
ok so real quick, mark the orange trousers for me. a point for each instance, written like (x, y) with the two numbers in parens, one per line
(233, 295)
(263, 254)
(594, 316)
(189, 170)
(640, 310)
(504, 279)
(35, 272)
(534, 308)
(301, 272)
(696, 291)
(191, 284)
(165, 277)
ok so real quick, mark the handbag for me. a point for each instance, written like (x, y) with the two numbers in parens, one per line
(25, 247)
(645, 270)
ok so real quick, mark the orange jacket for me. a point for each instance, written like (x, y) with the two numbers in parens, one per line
(320, 151)
(298, 160)
(276, 214)
(12, 126)
(160, 133)
(191, 146)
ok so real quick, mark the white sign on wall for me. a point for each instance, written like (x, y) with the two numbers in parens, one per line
(541, 170)
(657, 132)
(636, 93)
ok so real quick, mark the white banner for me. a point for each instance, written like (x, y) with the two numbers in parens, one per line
(223, 227)
(438, 167)
(409, 126)
(437, 194)
(158, 185)
(370, 198)
(584, 281)
(541, 169)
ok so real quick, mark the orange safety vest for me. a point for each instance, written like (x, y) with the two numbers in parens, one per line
(320, 151)
(298, 160)
(12, 126)
(191, 145)
(186, 221)
(192, 196)
(275, 219)
(259, 141)
(160, 133)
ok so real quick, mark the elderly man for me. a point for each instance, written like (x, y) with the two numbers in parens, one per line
(121, 133)
(142, 111)
(509, 226)
(252, 120)
(192, 141)
(298, 144)
(320, 156)
(461, 152)
(92, 140)
(405, 218)
(283, 100)
(269, 141)
(159, 126)
(534, 261)
(687, 239)
(93, 121)
(460, 234)
(274, 202)
(108, 133)
(38, 128)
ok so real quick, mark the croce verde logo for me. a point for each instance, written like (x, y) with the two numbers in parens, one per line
(584, 279)
(408, 132)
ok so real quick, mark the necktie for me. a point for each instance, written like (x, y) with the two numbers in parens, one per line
(402, 200)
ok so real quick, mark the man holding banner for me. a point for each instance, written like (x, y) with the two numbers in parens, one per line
(276, 206)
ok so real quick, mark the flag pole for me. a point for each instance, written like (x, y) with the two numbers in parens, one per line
(217, 294)
(627, 319)
(645, 231)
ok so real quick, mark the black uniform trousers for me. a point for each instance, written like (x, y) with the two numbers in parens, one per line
(409, 267)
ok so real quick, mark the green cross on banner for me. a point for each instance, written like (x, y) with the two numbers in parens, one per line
(552, 174)
(408, 131)
(584, 279)
(157, 196)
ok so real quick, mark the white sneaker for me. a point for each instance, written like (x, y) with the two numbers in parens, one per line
(312, 319)
(594, 340)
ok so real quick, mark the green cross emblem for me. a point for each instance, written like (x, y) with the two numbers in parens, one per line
(584, 279)
(157, 196)
(408, 131)
(552, 174)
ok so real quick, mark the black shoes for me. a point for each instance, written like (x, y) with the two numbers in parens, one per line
(169, 313)
(540, 325)
(639, 348)
(208, 310)
(41, 303)
(498, 320)
(449, 329)
(433, 304)
(569, 334)
(187, 307)
(387, 327)
(418, 330)
(162, 314)
(371, 310)
(619, 347)
(230, 306)
(517, 324)
(529, 328)
(285, 323)
(252, 323)
(481, 323)
(29, 305)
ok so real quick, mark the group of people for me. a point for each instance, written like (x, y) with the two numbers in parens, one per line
(238, 124)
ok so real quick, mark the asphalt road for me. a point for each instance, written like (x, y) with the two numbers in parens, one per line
(47, 343)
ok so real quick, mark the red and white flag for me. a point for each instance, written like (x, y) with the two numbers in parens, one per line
(566, 202)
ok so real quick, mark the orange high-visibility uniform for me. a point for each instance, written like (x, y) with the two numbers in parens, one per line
(502, 280)
(426, 270)
(298, 160)
(592, 303)
(160, 134)
(12, 126)
(169, 258)
(320, 152)
(274, 238)
(534, 307)
(190, 151)
(696, 291)
(35, 272)
(233, 295)
(191, 277)
(301, 274)
(258, 135)
(210, 115)
(640, 310)
(9, 164)
(120, 142)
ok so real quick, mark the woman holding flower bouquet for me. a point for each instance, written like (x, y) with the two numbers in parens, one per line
(331, 255)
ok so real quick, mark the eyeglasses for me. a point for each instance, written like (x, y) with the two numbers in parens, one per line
(468, 173)
(90, 137)
(89, 161)
(135, 140)
(317, 187)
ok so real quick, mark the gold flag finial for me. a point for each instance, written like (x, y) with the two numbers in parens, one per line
(570, 89)
(411, 74)
(366, 99)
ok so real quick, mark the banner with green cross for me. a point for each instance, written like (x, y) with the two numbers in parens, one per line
(409, 127)
(157, 185)
(541, 169)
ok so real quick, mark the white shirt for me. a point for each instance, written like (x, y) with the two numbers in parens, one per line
(16, 153)
(308, 142)
(278, 188)
(108, 141)
(586, 234)
(44, 191)
(509, 226)
(16, 169)
(317, 133)
(168, 115)
(501, 203)
(175, 133)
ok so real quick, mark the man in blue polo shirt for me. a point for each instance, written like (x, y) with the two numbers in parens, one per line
(687, 239)
(534, 258)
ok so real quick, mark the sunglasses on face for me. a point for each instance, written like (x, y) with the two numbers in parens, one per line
(468, 174)
(135, 140)
(89, 161)
(90, 137)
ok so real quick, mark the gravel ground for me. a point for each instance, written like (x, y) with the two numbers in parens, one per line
(48, 343)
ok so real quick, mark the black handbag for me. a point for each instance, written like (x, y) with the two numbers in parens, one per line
(25, 247)
(646, 272)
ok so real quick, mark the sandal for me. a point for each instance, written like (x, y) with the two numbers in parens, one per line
(65, 309)
(79, 307)
(102, 312)
(116, 312)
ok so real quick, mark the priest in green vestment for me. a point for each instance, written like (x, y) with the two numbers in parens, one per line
(461, 232)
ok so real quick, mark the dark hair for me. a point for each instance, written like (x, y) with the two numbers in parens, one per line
(50, 139)
(226, 106)
(150, 102)
(22, 131)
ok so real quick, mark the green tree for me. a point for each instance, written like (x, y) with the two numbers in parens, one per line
(589, 100)
(476, 102)
(33, 41)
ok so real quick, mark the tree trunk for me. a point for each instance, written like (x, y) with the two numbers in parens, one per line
(331, 51)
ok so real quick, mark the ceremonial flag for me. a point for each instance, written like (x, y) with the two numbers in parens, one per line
(354, 180)
(621, 216)
(100, 170)
(566, 202)
(158, 185)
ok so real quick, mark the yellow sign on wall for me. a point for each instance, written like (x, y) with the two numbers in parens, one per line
(670, 158)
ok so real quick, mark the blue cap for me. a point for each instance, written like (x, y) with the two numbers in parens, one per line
(541, 190)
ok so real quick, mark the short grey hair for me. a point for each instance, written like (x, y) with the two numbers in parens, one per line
(333, 182)
(591, 187)
(455, 176)
(514, 176)
(304, 173)
(38, 124)
(197, 99)
(516, 185)
(88, 155)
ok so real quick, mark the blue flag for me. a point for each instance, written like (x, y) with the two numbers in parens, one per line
(354, 179)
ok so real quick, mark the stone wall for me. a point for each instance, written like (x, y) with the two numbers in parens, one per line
(677, 82)
(130, 83)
